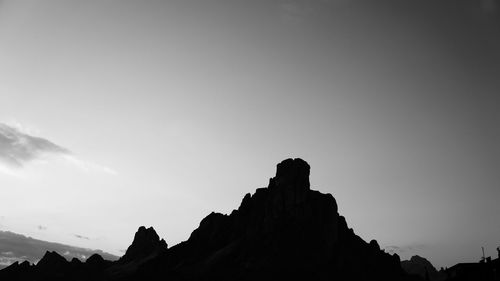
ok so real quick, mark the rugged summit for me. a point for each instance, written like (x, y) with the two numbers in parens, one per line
(285, 231)
(420, 266)
(51, 261)
(146, 242)
(55, 267)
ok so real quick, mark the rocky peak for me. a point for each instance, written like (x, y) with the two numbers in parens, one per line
(95, 259)
(422, 267)
(146, 242)
(25, 265)
(281, 230)
(292, 173)
(290, 186)
(51, 261)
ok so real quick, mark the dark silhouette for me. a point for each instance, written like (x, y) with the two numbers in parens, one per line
(283, 232)
(481, 271)
(146, 243)
(484, 270)
(423, 268)
(19, 247)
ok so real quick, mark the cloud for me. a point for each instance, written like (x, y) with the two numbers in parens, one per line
(41, 227)
(18, 148)
(6, 261)
(87, 166)
(394, 249)
(403, 249)
(81, 237)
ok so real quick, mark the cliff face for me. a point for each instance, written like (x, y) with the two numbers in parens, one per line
(285, 231)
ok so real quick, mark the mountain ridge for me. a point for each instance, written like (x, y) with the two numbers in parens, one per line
(285, 231)
(18, 247)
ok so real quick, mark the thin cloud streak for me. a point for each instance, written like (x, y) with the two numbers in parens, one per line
(89, 167)
(81, 237)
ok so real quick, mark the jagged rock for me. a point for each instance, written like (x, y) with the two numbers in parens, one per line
(146, 242)
(11, 268)
(17, 271)
(292, 179)
(374, 245)
(24, 265)
(94, 259)
(51, 261)
(293, 173)
(96, 262)
(422, 267)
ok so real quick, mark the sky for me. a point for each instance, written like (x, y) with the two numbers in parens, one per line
(117, 114)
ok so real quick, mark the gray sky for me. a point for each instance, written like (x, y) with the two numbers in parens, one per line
(117, 114)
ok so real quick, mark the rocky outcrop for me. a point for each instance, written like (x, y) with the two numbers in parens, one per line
(146, 246)
(146, 243)
(52, 262)
(422, 267)
(23, 269)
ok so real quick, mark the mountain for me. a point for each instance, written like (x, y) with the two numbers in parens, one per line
(16, 247)
(146, 246)
(55, 267)
(146, 243)
(420, 266)
(285, 231)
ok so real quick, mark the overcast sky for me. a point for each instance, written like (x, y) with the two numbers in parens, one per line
(116, 114)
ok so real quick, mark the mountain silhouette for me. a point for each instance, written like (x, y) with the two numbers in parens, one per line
(146, 242)
(285, 231)
(16, 247)
(422, 267)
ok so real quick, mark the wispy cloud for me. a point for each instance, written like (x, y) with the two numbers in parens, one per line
(6, 261)
(81, 237)
(87, 166)
(41, 227)
(404, 249)
(18, 148)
